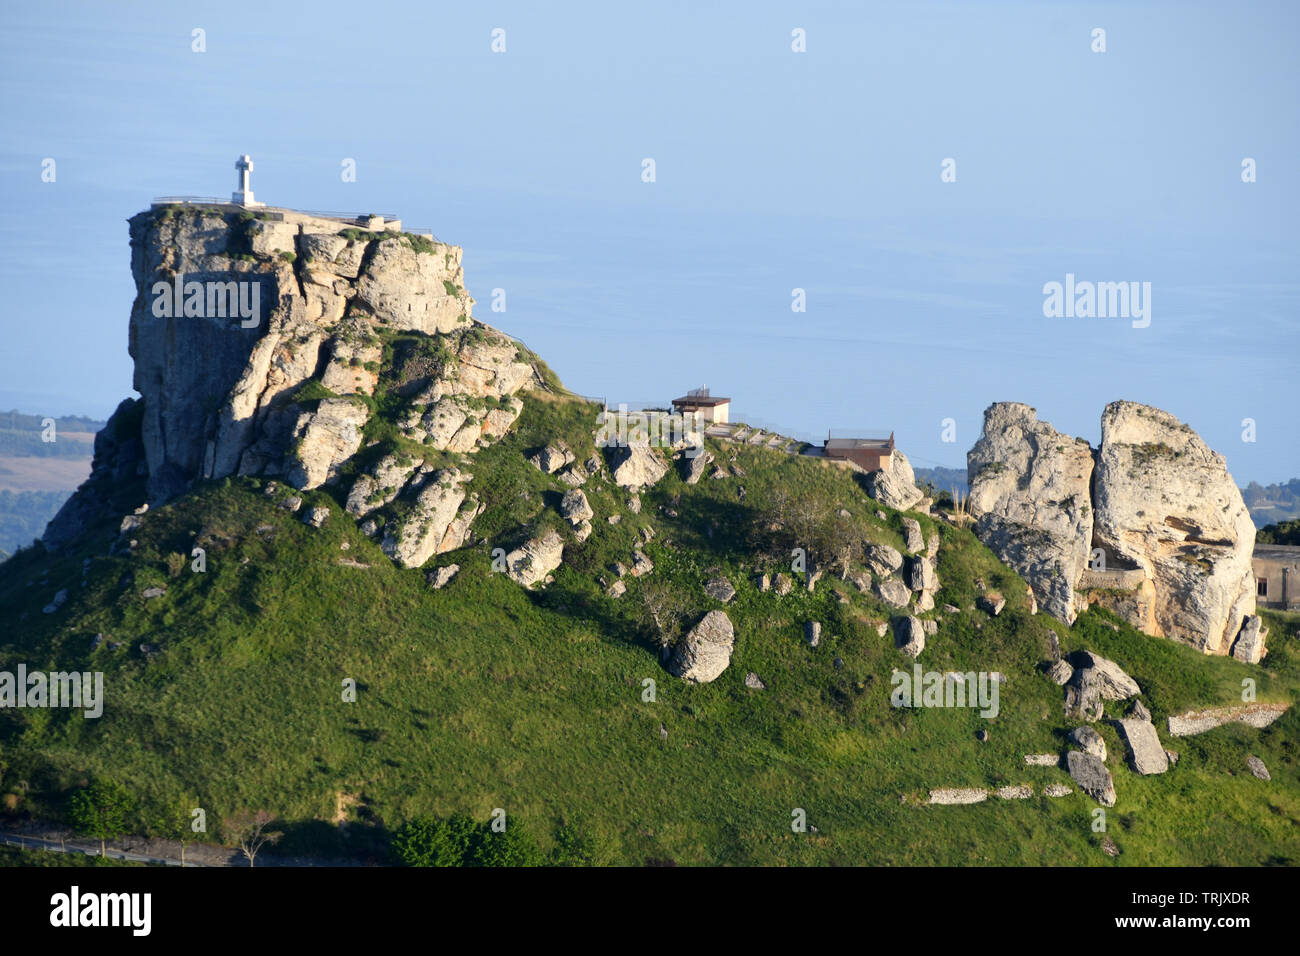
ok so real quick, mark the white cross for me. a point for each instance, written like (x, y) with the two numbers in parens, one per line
(244, 195)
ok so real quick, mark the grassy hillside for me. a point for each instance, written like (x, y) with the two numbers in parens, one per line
(482, 695)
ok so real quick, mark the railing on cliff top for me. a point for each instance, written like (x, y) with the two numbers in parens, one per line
(356, 219)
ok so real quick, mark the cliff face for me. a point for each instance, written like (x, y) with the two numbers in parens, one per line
(268, 344)
(1157, 531)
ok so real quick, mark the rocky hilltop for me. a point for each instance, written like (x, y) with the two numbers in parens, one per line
(1150, 525)
(290, 386)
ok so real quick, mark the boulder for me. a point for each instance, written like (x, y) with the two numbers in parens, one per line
(1249, 645)
(920, 574)
(812, 633)
(705, 652)
(574, 507)
(753, 682)
(1092, 777)
(1166, 506)
(912, 538)
(893, 592)
(316, 517)
(552, 458)
(1060, 672)
(1145, 750)
(1257, 768)
(993, 603)
(1109, 677)
(1089, 741)
(882, 560)
(440, 577)
(909, 636)
(1030, 495)
(782, 584)
(895, 487)
(641, 564)
(531, 563)
(693, 467)
(720, 589)
(636, 466)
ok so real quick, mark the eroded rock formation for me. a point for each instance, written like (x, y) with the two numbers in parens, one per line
(1150, 525)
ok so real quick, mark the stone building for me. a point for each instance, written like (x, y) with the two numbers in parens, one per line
(1277, 576)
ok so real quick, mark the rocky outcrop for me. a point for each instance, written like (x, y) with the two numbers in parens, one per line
(1030, 495)
(705, 652)
(1166, 505)
(259, 342)
(433, 523)
(909, 636)
(1156, 530)
(1090, 773)
(1096, 680)
(895, 486)
(530, 564)
(636, 466)
(1147, 754)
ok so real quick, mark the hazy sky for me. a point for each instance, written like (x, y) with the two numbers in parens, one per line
(775, 170)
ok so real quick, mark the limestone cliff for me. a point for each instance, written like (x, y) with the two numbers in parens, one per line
(260, 341)
(1150, 525)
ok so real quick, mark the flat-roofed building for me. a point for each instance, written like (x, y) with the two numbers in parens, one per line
(1277, 576)
(711, 409)
(869, 454)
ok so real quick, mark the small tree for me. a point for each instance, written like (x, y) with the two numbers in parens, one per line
(102, 811)
(427, 841)
(248, 828)
(663, 609)
(177, 823)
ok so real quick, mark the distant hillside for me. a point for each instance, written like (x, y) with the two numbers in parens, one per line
(1270, 504)
(943, 479)
(37, 476)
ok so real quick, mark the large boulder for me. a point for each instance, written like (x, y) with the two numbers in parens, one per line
(1145, 750)
(1030, 495)
(575, 508)
(531, 563)
(705, 652)
(1166, 505)
(882, 560)
(895, 486)
(636, 466)
(1090, 773)
(909, 636)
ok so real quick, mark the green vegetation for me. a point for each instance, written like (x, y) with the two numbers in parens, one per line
(482, 695)
(1284, 532)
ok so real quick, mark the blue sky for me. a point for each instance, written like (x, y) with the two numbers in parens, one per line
(775, 170)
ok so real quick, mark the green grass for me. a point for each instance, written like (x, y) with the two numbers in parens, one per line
(483, 696)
